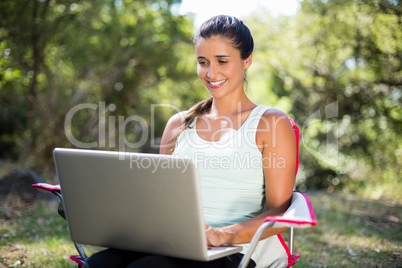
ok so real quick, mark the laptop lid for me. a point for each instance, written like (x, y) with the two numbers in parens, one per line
(133, 201)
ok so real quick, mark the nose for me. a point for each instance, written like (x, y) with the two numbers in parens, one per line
(211, 73)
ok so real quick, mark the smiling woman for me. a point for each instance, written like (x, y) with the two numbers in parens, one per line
(230, 126)
(218, 134)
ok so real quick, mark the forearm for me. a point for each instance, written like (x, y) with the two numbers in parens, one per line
(243, 232)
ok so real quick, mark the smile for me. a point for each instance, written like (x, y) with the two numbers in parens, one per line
(217, 83)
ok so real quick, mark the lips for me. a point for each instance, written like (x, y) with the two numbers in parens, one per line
(216, 84)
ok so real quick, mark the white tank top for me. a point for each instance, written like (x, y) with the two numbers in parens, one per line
(230, 171)
(232, 182)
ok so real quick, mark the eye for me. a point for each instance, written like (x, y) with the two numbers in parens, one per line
(201, 62)
(222, 62)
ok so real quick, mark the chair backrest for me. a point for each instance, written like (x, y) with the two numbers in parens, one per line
(297, 134)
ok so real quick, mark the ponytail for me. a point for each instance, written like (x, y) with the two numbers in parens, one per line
(200, 108)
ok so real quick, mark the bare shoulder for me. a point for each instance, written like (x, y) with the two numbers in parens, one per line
(274, 117)
(176, 120)
(170, 131)
(274, 124)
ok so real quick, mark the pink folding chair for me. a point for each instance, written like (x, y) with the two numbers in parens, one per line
(300, 214)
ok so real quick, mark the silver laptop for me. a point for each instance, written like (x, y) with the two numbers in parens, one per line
(141, 202)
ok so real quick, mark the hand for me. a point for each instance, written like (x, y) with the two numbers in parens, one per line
(214, 237)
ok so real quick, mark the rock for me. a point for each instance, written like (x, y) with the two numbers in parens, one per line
(19, 182)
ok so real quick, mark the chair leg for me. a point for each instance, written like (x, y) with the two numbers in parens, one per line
(260, 231)
(81, 251)
(291, 239)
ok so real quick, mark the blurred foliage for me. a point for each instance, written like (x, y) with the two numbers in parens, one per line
(110, 73)
(95, 62)
(335, 67)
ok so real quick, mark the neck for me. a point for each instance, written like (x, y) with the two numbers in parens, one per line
(227, 107)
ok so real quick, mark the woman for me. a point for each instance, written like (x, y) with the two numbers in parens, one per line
(245, 153)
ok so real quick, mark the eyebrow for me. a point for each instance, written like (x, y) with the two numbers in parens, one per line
(216, 56)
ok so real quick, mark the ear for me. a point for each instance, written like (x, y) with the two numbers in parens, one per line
(248, 61)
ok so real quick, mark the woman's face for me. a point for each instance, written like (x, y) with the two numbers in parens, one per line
(220, 66)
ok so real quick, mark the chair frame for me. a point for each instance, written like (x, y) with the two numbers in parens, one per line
(55, 189)
(269, 222)
(300, 214)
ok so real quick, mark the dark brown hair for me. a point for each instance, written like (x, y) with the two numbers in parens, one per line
(240, 37)
(231, 28)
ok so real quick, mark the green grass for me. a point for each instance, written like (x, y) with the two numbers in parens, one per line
(351, 232)
(34, 235)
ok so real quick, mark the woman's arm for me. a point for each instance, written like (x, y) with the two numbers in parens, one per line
(170, 130)
(276, 140)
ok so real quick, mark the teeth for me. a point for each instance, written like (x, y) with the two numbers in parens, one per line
(217, 83)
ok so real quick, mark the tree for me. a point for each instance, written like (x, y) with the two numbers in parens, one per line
(337, 65)
(57, 55)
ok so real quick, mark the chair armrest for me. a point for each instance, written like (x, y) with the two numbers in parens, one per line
(46, 187)
(55, 189)
(300, 214)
